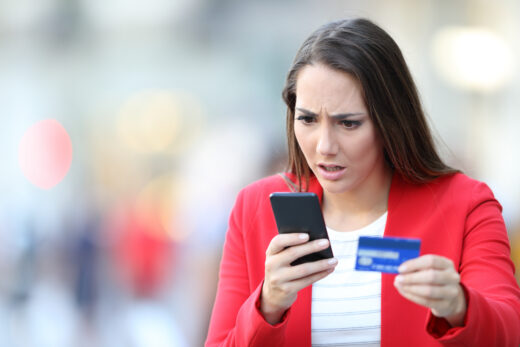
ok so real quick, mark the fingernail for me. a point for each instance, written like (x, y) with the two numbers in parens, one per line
(401, 268)
(303, 236)
(332, 261)
(323, 242)
(398, 279)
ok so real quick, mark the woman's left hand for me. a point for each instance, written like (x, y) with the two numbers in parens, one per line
(432, 281)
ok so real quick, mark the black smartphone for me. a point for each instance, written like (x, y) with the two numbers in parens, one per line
(301, 213)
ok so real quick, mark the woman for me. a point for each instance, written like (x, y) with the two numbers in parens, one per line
(358, 138)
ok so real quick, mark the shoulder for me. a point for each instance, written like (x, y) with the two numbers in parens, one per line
(462, 186)
(455, 189)
(458, 182)
(257, 193)
(252, 209)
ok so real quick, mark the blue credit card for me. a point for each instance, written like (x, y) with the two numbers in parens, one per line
(385, 254)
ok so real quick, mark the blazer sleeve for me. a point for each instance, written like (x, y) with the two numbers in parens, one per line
(236, 319)
(487, 277)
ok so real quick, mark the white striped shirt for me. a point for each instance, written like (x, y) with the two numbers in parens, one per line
(346, 305)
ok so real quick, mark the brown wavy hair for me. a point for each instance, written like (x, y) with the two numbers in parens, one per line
(365, 51)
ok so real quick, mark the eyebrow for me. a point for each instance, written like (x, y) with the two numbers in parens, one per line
(338, 116)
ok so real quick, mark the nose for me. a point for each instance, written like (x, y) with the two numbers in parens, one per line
(327, 142)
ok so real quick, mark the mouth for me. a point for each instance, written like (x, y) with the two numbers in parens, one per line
(330, 168)
(331, 172)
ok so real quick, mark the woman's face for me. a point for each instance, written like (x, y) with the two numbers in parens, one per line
(334, 130)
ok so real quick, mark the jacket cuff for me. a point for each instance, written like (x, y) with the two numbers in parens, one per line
(262, 333)
(441, 329)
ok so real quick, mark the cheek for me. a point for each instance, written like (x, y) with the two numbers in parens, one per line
(366, 150)
(302, 138)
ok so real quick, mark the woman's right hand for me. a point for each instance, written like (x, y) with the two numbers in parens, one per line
(282, 281)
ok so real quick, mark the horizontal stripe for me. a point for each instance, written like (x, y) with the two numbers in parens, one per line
(326, 299)
(346, 329)
(335, 314)
(350, 256)
(346, 305)
(348, 267)
(356, 239)
(346, 285)
(349, 275)
(343, 271)
(375, 343)
(336, 296)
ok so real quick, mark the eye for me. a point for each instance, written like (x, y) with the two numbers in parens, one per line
(350, 124)
(306, 119)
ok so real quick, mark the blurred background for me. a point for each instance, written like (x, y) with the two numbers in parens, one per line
(128, 129)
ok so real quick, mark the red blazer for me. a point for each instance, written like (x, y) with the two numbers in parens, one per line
(454, 216)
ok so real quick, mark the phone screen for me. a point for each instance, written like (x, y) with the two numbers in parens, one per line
(297, 213)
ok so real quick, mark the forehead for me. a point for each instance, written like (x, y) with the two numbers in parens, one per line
(318, 86)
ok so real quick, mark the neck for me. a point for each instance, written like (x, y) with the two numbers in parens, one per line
(357, 208)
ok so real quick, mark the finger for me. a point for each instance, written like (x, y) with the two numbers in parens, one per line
(429, 291)
(429, 276)
(432, 303)
(290, 254)
(301, 271)
(281, 241)
(301, 283)
(429, 261)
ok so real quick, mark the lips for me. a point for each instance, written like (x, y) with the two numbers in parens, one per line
(331, 172)
(331, 168)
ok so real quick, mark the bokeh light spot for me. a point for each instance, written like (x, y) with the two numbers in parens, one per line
(149, 121)
(45, 153)
(473, 58)
(155, 121)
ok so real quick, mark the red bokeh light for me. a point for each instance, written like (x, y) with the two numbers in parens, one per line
(45, 153)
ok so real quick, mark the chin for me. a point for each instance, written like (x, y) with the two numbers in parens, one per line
(335, 187)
